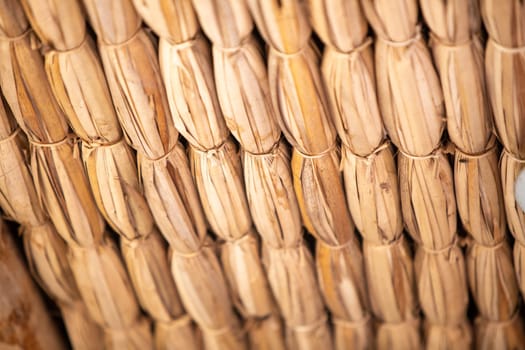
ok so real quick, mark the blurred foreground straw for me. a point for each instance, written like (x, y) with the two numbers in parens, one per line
(46, 252)
(25, 322)
(60, 181)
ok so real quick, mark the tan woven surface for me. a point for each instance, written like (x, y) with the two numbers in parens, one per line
(269, 174)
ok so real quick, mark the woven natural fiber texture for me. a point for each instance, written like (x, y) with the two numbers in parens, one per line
(264, 174)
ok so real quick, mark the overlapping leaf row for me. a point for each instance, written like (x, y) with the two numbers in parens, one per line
(63, 189)
(369, 170)
(411, 103)
(79, 85)
(244, 95)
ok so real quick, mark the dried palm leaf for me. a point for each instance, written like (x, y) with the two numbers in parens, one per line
(111, 169)
(159, 16)
(356, 115)
(459, 58)
(58, 175)
(136, 337)
(45, 250)
(427, 199)
(80, 88)
(147, 262)
(348, 73)
(310, 337)
(318, 185)
(504, 335)
(203, 290)
(342, 282)
(63, 188)
(405, 73)
(292, 276)
(479, 196)
(492, 280)
(372, 193)
(22, 77)
(18, 197)
(354, 336)
(452, 23)
(112, 172)
(104, 285)
(24, 320)
(56, 23)
(369, 169)
(218, 176)
(504, 65)
(189, 83)
(303, 113)
(13, 22)
(340, 24)
(160, 167)
(55, 166)
(390, 281)
(244, 96)
(283, 24)
(240, 74)
(443, 299)
(519, 264)
(179, 334)
(266, 333)
(215, 164)
(457, 337)
(403, 335)
(83, 332)
(188, 76)
(269, 189)
(510, 168)
(142, 107)
(114, 22)
(227, 23)
(298, 97)
(173, 199)
(47, 257)
(242, 266)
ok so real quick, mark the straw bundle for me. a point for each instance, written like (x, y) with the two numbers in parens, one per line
(368, 165)
(128, 55)
(504, 59)
(58, 175)
(412, 106)
(186, 67)
(79, 86)
(45, 250)
(301, 107)
(24, 320)
(244, 96)
(458, 54)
